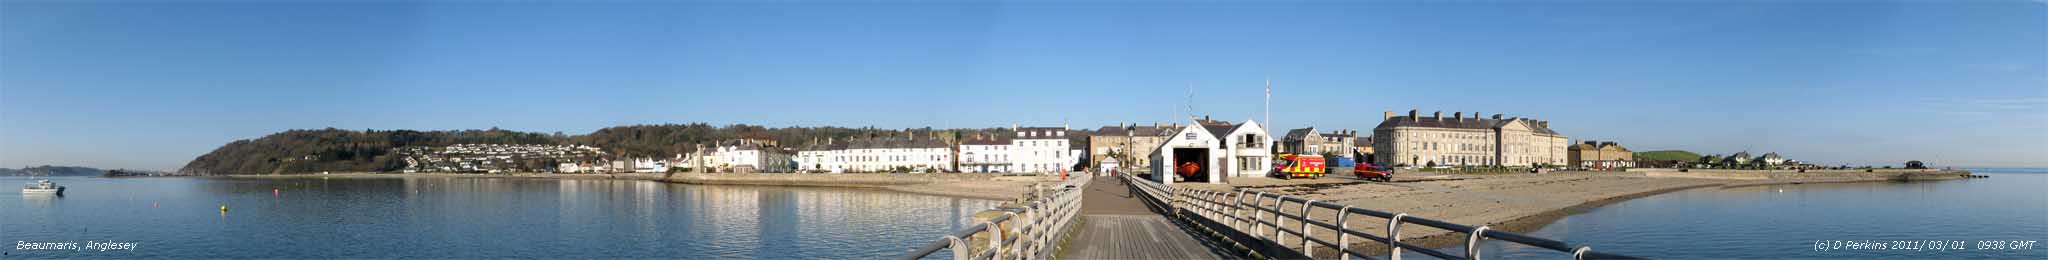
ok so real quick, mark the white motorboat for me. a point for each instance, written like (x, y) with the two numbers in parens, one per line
(43, 187)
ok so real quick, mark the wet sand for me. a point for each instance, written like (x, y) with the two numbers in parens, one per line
(1513, 202)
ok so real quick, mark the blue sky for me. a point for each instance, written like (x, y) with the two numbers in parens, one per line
(144, 84)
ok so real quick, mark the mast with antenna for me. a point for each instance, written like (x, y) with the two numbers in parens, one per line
(1269, 105)
(1191, 101)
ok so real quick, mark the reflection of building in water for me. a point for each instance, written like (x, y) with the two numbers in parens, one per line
(780, 220)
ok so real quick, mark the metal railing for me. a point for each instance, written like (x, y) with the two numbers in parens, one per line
(1270, 215)
(1029, 232)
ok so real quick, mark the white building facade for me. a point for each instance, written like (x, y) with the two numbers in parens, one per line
(1189, 145)
(990, 155)
(898, 154)
(1041, 149)
(1221, 150)
(749, 157)
(1250, 150)
(822, 158)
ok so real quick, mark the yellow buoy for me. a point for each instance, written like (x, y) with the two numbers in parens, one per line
(223, 207)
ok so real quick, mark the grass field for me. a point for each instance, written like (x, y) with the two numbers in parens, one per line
(1668, 155)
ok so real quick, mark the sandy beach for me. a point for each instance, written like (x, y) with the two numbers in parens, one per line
(1519, 202)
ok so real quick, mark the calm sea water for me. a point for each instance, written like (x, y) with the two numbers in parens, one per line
(1785, 221)
(471, 218)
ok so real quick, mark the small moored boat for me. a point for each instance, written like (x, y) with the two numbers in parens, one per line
(43, 187)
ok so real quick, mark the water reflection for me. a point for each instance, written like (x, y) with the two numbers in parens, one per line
(488, 218)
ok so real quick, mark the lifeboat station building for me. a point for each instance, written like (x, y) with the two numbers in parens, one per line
(1213, 152)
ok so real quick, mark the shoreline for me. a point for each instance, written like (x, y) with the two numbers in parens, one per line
(972, 186)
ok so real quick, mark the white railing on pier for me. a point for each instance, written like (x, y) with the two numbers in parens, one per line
(1032, 231)
(1270, 214)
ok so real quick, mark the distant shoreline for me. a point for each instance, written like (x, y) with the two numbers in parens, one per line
(973, 186)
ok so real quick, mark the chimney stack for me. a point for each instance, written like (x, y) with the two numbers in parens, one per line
(1496, 116)
(1439, 116)
(1389, 116)
(1459, 115)
(1475, 115)
(1412, 116)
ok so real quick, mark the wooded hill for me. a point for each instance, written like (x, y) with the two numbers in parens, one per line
(336, 150)
(47, 170)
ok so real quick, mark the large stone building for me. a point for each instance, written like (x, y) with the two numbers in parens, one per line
(1129, 145)
(1596, 155)
(1461, 140)
(1308, 141)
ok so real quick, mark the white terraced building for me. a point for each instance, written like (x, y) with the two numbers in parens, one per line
(1041, 149)
(748, 156)
(829, 157)
(985, 155)
(877, 155)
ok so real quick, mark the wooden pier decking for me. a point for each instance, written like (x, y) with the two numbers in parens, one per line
(1116, 225)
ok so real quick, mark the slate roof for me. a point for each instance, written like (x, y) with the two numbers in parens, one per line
(998, 140)
(823, 147)
(1467, 123)
(738, 145)
(1041, 132)
(1336, 134)
(1134, 131)
(1220, 129)
(895, 143)
(1299, 133)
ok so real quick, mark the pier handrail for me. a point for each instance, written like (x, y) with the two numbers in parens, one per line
(1270, 214)
(1028, 232)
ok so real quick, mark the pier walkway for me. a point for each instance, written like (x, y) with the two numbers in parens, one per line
(1115, 224)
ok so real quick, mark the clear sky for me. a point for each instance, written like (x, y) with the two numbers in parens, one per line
(151, 84)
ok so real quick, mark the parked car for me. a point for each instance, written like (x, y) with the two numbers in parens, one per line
(1367, 171)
